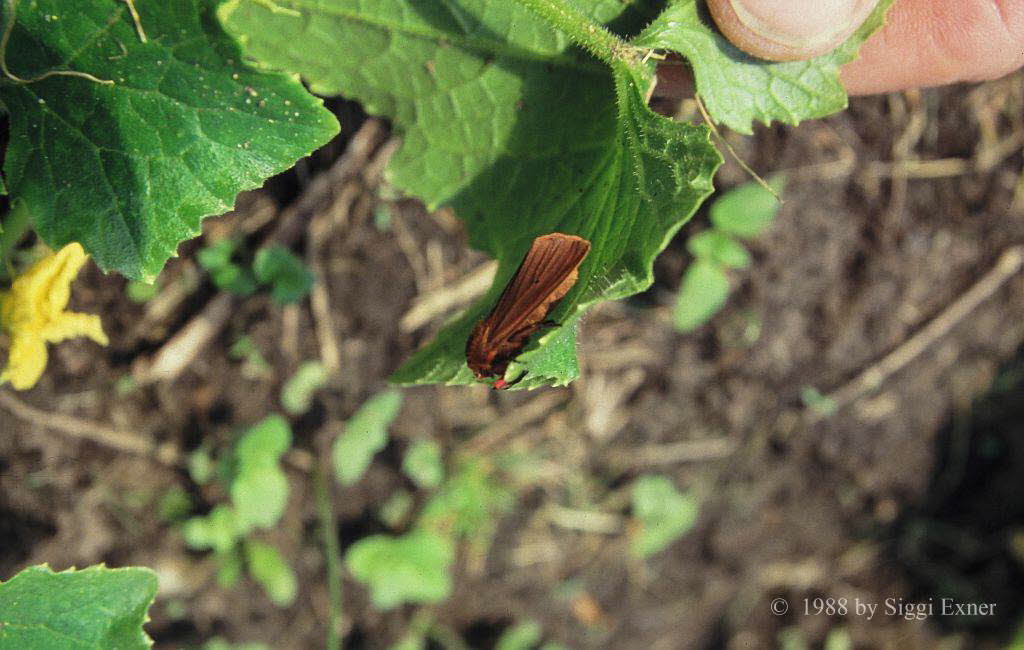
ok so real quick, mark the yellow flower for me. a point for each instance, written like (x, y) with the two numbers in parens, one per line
(32, 312)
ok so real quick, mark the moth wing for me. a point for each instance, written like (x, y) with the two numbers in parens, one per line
(550, 260)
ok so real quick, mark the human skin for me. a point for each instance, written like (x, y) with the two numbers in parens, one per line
(923, 43)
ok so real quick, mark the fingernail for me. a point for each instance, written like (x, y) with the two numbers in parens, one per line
(806, 28)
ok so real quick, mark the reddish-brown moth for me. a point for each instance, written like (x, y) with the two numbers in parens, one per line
(545, 275)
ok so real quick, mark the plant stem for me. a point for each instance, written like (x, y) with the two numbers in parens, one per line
(15, 225)
(332, 553)
(582, 30)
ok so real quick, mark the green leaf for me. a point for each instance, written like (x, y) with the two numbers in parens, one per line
(271, 570)
(130, 168)
(94, 608)
(413, 568)
(704, 290)
(748, 210)
(821, 404)
(288, 277)
(259, 495)
(393, 511)
(234, 279)
(663, 512)
(718, 248)
(217, 255)
(139, 291)
(297, 393)
(229, 567)
(174, 505)
(468, 502)
(263, 443)
(219, 530)
(423, 464)
(738, 89)
(200, 466)
(365, 434)
(521, 636)
(259, 489)
(519, 132)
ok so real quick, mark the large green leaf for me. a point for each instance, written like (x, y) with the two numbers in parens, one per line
(521, 133)
(96, 608)
(738, 88)
(130, 168)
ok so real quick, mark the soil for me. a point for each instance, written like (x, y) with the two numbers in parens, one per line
(893, 211)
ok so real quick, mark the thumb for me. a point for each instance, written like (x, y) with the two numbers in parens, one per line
(788, 30)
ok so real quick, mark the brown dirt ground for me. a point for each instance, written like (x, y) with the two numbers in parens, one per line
(871, 244)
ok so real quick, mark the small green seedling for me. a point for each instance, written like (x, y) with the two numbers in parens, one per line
(297, 393)
(273, 266)
(415, 567)
(139, 291)
(259, 493)
(227, 273)
(288, 278)
(813, 399)
(521, 636)
(664, 514)
(741, 213)
(412, 568)
(365, 434)
(423, 464)
(254, 364)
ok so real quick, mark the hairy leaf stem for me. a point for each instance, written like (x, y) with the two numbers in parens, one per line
(583, 30)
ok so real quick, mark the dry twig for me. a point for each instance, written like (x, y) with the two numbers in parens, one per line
(1009, 264)
(166, 453)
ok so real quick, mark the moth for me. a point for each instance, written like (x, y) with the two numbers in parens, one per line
(549, 270)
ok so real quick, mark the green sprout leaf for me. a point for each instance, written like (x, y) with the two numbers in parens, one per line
(226, 274)
(814, 400)
(519, 132)
(259, 490)
(738, 88)
(467, 503)
(230, 565)
(521, 636)
(218, 530)
(92, 608)
(704, 290)
(289, 279)
(297, 393)
(719, 248)
(423, 464)
(130, 168)
(264, 443)
(748, 210)
(663, 512)
(269, 568)
(413, 568)
(365, 434)
(174, 506)
(394, 511)
(139, 291)
(259, 495)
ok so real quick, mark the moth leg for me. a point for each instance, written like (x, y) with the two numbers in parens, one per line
(515, 381)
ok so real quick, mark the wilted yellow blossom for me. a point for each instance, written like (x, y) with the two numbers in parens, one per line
(32, 312)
